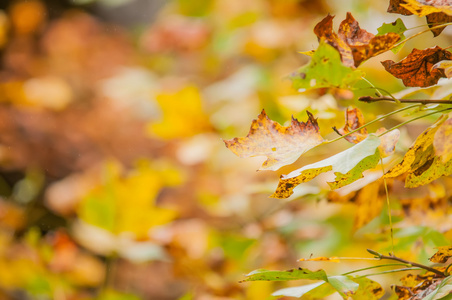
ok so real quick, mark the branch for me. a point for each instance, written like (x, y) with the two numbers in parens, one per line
(369, 99)
(392, 257)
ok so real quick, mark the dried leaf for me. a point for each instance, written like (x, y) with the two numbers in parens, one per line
(416, 68)
(354, 119)
(282, 145)
(425, 286)
(348, 166)
(420, 162)
(425, 7)
(438, 18)
(444, 289)
(396, 27)
(325, 70)
(442, 255)
(353, 43)
(324, 31)
(396, 8)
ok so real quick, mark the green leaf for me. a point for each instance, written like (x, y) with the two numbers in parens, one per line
(344, 285)
(293, 274)
(348, 166)
(442, 291)
(325, 70)
(298, 291)
(397, 27)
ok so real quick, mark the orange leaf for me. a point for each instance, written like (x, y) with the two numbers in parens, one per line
(282, 145)
(353, 120)
(416, 69)
(353, 43)
(322, 258)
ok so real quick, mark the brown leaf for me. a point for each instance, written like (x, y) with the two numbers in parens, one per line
(353, 120)
(438, 18)
(353, 43)
(416, 287)
(442, 255)
(282, 145)
(324, 30)
(415, 70)
(425, 7)
(394, 7)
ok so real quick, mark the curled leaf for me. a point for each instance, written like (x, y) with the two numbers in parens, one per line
(282, 145)
(420, 162)
(446, 65)
(416, 69)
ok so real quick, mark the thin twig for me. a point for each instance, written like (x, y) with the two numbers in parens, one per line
(369, 99)
(392, 257)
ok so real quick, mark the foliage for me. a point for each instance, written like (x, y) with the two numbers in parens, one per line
(115, 184)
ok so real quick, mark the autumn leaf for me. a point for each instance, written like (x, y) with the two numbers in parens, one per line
(442, 142)
(183, 115)
(446, 65)
(416, 69)
(325, 70)
(293, 274)
(420, 162)
(396, 27)
(442, 255)
(354, 119)
(368, 289)
(443, 289)
(425, 7)
(321, 258)
(436, 12)
(282, 145)
(423, 286)
(354, 44)
(298, 291)
(347, 165)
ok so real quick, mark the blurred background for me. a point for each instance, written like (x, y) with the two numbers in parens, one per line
(114, 179)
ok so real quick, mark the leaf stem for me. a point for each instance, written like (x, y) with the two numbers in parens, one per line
(389, 207)
(419, 33)
(371, 122)
(369, 99)
(414, 119)
(389, 271)
(374, 267)
(392, 257)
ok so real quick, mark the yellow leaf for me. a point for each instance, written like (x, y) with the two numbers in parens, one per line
(183, 115)
(442, 255)
(423, 8)
(321, 258)
(442, 141)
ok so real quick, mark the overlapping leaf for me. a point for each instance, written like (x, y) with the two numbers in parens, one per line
(347, 165)
(437, 12)
(420, 163)
(353, 43)
(396, 27)
(354, 119)
(325, 70)
(282, 145)
(446, 65)
(442, 255)
(416, 68)
(425, 286)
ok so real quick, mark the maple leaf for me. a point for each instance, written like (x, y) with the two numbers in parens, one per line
(325, 70)
(282, 145)
(354, 44)
(348, 166)
(354, 119)
(416, 69)
(442, 255)
(420, 162)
